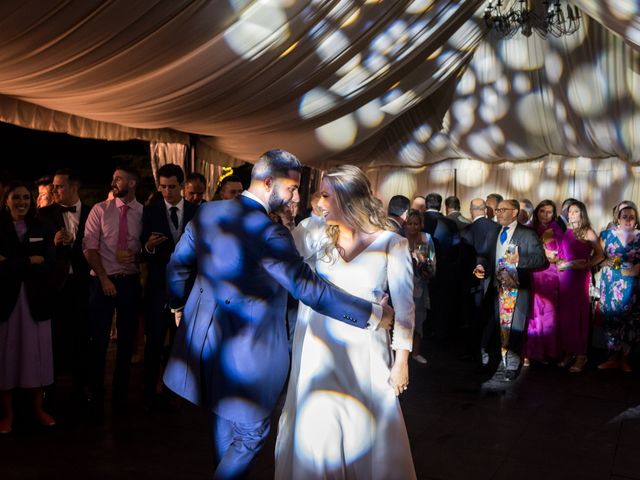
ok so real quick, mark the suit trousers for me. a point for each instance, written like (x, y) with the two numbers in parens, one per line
(70, 329)
(157, 322)
(236, 445)
(101, 308)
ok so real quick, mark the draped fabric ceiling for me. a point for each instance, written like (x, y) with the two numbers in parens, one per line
(415, 91)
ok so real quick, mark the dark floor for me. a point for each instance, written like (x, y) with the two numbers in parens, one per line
(549, 425)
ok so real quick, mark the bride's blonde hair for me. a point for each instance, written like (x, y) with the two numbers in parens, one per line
(361, 210)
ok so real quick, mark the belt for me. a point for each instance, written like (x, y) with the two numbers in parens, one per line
(124, 275)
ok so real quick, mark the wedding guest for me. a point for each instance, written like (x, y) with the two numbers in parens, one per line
(397, 213)
(514, 253)
(419, 203)
(111, 244)
(563, 218)
(492, 201)
(619, 288)
(579, 251)
(230, 187)
(45, 191)
(423, 254)
(542, 342)
(452, 208)
(163, 223)
(526, 215)
(26, 262)
(478, 237)
(66, 218)
(195, 188)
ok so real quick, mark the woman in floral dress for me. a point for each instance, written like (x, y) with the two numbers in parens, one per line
(619, 288)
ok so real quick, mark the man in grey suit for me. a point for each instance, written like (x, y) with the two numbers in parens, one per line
(520, 246)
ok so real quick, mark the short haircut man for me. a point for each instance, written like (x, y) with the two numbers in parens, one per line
(230, 187)
(434, 201)
(398, 206)
(170, 170)
(477, 208)
(195, 188)
(452, 203)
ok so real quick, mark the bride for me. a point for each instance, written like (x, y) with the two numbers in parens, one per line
(342, 418)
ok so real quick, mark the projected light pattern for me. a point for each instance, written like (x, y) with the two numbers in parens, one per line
(322, 419)
(576, 97)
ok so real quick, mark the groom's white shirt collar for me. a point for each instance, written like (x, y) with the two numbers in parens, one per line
(250, 195)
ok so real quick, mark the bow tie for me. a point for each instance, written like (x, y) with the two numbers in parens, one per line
(71, 209)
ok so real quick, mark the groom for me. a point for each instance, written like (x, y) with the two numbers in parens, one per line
(230, 353)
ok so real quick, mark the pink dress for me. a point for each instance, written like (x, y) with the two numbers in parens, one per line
(574, 306)
(542, 328)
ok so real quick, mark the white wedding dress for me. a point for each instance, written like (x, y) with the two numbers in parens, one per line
(341, 418)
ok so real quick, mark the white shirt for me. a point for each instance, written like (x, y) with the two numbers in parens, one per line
(250, 195)
(501, 248)
(481, 216)
(72, 219)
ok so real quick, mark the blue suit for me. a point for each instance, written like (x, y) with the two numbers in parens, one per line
(230, 353)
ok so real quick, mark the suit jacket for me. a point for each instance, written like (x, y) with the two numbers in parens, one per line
(154, 219)
(397, 226)
(17, 268)
(230, 352)
(461, 222)
(446, 241)
(479, 237)
(532, 257)
(66, 255)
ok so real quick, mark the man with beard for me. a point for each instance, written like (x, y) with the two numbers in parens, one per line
(230, 352)
(111, 244)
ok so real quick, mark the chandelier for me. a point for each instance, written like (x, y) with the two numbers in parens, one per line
(549, 20)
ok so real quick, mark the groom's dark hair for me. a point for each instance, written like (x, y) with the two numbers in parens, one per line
(275, 163)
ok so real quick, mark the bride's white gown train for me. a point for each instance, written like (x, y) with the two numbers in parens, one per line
(341, 418)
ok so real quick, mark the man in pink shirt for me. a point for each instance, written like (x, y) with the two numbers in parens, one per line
(111, 245)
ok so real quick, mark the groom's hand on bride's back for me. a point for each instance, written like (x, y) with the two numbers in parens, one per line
(387, 314)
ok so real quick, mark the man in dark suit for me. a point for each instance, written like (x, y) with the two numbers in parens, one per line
(564, 213)
(520, 246)
(230, 352)
(452, 207)
(163, 222)
(397, 212)
(477, 240)
(444, 290)
(66, 220)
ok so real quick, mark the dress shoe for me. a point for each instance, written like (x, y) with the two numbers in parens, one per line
(579, 365)
(420, 359)
(510, 375)
(44, 419)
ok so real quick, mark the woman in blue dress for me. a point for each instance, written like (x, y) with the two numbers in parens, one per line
(619, 288)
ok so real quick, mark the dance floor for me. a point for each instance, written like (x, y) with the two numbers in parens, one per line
(549, 424)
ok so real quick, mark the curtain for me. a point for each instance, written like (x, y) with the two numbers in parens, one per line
(163, 153)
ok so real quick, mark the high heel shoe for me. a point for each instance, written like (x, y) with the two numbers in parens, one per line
(579, 365)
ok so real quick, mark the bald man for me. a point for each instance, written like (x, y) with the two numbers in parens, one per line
(476, 237)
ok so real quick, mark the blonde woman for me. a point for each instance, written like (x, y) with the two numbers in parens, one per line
(342, 418)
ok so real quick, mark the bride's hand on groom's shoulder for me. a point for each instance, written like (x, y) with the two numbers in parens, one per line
(399, 377)
(387, 314)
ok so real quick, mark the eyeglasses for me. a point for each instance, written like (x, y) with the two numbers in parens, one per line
(502, 210)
